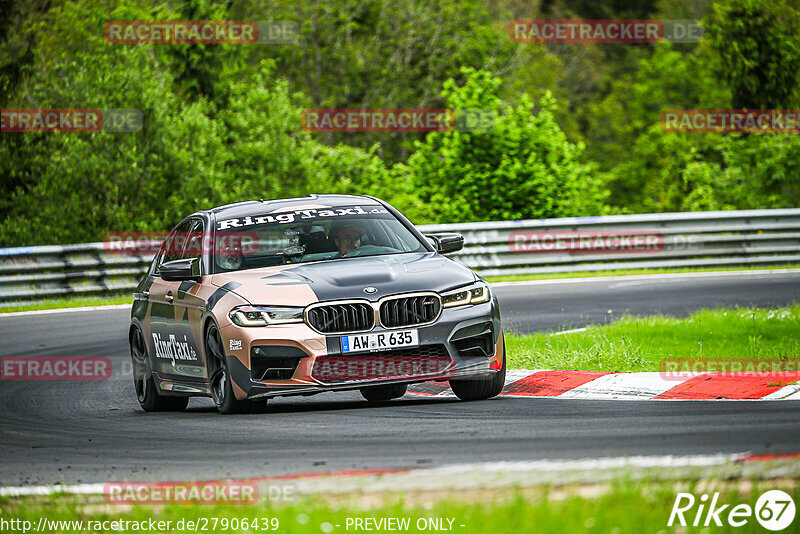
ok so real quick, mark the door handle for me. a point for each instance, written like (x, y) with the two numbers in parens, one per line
(169, 297)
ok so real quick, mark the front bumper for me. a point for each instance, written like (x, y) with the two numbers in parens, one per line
(454, 337)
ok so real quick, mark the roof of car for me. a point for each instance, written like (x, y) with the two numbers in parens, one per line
(251, 207)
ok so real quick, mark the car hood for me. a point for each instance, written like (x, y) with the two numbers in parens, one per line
(303, 284)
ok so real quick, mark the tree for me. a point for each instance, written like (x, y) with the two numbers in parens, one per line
(521, 167)
(378, 54)
(643, 162)
(758, 45)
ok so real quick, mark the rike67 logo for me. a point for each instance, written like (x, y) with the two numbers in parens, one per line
(774, 510)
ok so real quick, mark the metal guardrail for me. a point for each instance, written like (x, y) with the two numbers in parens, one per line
(700, 239)
(51, 271)
(697, 239)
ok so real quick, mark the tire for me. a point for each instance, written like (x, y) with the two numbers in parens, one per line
(384, 393)
(146, 393)
(481, 389)
(219, 376)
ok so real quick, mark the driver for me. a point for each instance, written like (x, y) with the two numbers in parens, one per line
(347, 239)
(229, 256)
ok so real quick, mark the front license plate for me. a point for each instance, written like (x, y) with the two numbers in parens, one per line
(380, 341)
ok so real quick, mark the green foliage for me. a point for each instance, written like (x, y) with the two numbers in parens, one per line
(576, 131)
(200, 70)
(667, 79)
(762, 170)
(377, 54)
(189, 154)
(633, 344)
(758, 45)
(76, 187)
(523, 166)
(653, 170)
(707, 171)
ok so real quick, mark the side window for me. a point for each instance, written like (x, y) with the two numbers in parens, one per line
(194, 243)
(157, 259)
(173, 247)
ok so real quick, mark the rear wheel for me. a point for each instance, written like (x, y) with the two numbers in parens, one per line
(219, 376)
(481, 389)
(146, 393)
(384, 393)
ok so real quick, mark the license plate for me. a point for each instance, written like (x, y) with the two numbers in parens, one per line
(380, 341)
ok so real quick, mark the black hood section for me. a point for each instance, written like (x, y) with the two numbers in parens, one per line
(391, 274)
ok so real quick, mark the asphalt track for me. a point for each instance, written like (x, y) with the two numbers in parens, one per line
(94, 431)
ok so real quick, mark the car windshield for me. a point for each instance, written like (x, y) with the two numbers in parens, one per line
(306, 235)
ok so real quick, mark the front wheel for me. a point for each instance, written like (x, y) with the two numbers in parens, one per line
(481, 389)
(146, 393)
(219, 376)
(384, 393)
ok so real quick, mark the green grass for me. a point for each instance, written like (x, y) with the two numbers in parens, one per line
(66, 302)
(639, 344)
(627, 272)
(619, 507)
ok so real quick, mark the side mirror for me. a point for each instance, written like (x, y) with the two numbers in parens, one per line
(180, 270)
(446, 243)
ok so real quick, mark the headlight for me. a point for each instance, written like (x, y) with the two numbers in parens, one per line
(265, 315)
(474, 294)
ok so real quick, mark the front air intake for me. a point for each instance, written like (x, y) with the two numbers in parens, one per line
(476, 341)
(410, 311)
(341, 318)
(274, 362)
